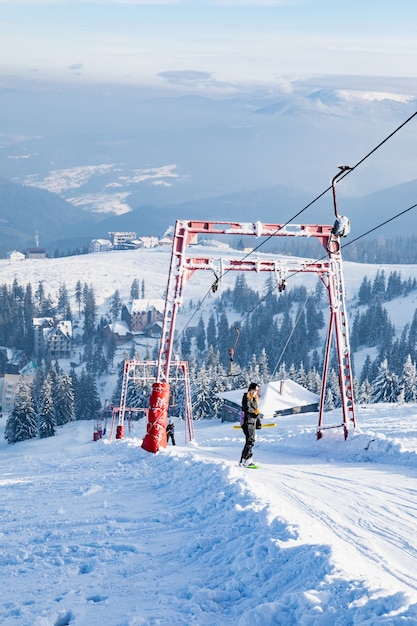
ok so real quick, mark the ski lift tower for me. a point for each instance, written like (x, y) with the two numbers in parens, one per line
(183, 266)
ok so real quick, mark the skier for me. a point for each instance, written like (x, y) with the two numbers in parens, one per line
(171, 432)
(251, 412)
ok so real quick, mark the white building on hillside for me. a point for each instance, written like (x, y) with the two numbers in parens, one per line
(15, 255)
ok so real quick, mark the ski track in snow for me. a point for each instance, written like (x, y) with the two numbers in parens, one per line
(99, 533)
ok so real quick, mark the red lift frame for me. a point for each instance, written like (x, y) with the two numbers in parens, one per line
(329, 270)
(146, 371)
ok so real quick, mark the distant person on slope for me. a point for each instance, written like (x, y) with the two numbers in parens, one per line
(250, 415)
(171, 432)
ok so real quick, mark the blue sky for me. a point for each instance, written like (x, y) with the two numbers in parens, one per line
(212, 45)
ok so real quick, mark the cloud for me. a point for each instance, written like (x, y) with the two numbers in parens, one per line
(186, 77)
(76, 67)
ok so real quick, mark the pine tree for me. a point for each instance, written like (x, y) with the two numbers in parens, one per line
(201, 336)
(186, 344)
(63, 399)
(365, 291)
(46, 416)
(366, 369)
(335, 387)
(217, 386)
(224, 338)
(87, 401)
(394, 286)
(28, 315)
(365, 392)
(408, 382)
(254, 373)
(22, 421)
(263, 367)
(78, 296)
(115, 305)
(201, 395)
(313, 381)
(385, 387)
(329, 403)
(378, 287)
(134, 290)
(63, 300)
(211, 334)
(301, 378)
(90, 312)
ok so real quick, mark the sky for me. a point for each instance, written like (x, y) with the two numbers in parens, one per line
(211, 45)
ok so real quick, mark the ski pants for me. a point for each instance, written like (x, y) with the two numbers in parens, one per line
(249, 429)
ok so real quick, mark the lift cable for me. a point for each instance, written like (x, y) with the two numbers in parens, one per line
(347, 171)
(391, 219)
(290, 335)
(371, 230)
(311, 263)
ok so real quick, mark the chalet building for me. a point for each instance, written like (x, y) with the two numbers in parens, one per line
(146, 242)
(52, 338)
(119, 331)
(166, 241)
(39, 325)
(142, 314)
(120, 239)
(100, 245)
(15, 255)
(36, 253)
(58, 340)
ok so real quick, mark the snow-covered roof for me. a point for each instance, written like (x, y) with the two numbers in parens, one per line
(16, 255)
(63, 326)
(145, 304)
(40, 321)
(102, 242)
(276, 396)
(166, 241)
(119, 328)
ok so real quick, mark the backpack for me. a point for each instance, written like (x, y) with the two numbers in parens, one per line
(244, 408)
(244, 403)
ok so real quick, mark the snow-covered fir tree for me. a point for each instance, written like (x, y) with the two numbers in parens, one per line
(385, 387)
(334, 385)
(301, 376)
(202, 400)
(63, 399)
(313, 381)
(329, 403)
(263, 367)
(46, 416)
(22, 421)
(408, 381)
(254, 373)
(365, 392)
(87, 400)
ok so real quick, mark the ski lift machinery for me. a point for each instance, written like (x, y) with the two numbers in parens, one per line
(329, 270)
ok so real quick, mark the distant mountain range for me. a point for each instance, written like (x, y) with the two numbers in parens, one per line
(78, 162)
(29, 215)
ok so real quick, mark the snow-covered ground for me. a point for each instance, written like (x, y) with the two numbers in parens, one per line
(322, 534)
(103, 533)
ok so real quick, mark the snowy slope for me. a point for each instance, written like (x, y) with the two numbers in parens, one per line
(106, 534)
